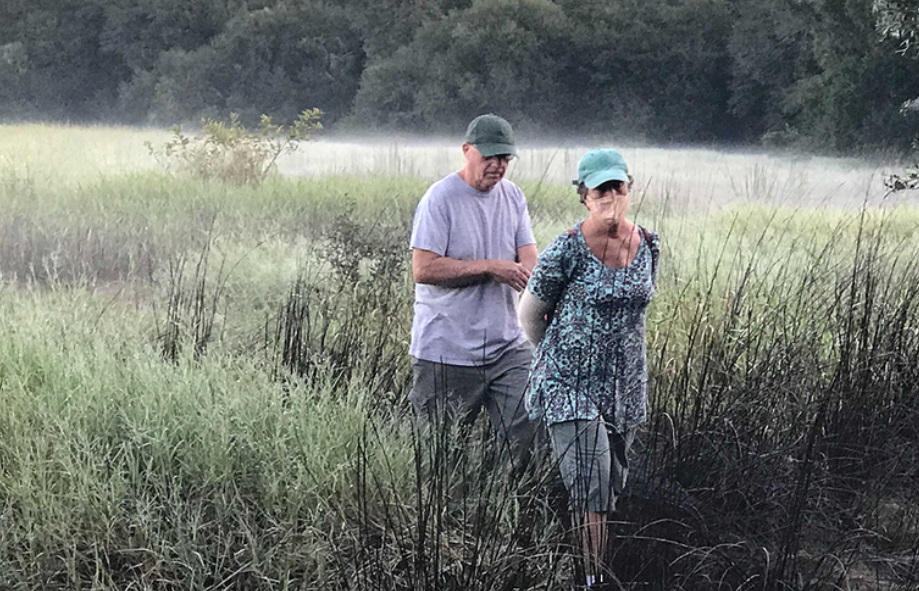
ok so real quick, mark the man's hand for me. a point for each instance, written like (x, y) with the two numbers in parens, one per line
(434, 269)
(510, 273)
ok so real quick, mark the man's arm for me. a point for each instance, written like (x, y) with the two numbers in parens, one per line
(431, 268)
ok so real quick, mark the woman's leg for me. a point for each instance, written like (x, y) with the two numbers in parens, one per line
(594, 535)
(582, 449)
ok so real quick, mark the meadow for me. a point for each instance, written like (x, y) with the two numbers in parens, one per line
(202, 385)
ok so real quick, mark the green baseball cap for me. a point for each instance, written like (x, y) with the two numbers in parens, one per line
(599, 166)
(491, 135)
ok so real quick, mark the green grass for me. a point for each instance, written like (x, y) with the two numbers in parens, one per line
(203, 386)
(105, 445)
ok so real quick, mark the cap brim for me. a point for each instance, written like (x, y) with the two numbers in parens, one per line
(594, 180)
(495, 149)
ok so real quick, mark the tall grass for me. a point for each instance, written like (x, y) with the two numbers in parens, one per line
(203, 387)
(785, 402)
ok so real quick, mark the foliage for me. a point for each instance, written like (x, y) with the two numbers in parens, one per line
(899, 20)
(61, 70)
(386, 25)
(344, 320)
(275, 447)
(908, 180)
(263, 61)
(627, 82)
(830, 75)
(855, 97)
(137, 31)
(770, 48)
(502, 56)
(231, 153)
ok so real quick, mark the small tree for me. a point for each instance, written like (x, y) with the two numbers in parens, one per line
(908, 180)
(899, 20)
(229, 152)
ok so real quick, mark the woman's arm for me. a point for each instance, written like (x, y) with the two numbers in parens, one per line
(532, 313)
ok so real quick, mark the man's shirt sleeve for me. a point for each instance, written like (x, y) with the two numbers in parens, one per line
(525, 228)
(430, 227)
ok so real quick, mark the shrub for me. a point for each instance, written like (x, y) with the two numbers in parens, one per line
(229, 152)
(908, 180)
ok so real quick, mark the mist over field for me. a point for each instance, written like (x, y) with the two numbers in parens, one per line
(700, 176)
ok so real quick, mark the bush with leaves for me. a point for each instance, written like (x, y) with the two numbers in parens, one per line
(899, 20)
(908, 180)
(232, 153)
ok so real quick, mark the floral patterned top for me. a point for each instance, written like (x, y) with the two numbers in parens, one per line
(592, 360)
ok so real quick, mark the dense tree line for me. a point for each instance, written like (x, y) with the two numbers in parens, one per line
(827, 74)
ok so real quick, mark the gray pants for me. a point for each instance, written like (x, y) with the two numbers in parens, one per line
(594, 461)
(458, 392)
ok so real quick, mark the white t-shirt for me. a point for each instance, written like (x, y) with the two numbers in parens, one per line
(469, 325)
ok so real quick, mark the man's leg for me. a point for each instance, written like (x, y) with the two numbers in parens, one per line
(504, 400)
(443, 393)
(446, 399)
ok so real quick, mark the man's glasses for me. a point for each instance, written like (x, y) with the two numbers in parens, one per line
(500, 158)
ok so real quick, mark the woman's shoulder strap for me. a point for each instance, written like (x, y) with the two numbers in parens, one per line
(646, 233)
(654, 244)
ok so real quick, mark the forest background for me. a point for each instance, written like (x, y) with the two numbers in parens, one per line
(831, 75)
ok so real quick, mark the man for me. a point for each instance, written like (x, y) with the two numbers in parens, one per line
(472, 253)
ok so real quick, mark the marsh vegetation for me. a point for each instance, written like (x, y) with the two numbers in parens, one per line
(203, 384)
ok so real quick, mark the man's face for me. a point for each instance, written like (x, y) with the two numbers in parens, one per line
(483, 172)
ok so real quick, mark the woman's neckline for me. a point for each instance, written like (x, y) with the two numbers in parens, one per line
(583, 241)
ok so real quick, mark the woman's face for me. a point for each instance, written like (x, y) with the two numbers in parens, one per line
(608, 204)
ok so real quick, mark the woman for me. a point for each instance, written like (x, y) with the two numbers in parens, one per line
(584, 309)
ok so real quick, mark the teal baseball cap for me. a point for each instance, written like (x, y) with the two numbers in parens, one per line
(599, 166)
(491, 135)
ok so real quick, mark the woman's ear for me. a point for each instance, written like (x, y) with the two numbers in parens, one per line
(582, 193)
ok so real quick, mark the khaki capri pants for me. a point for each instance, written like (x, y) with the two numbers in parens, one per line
(593, 460)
